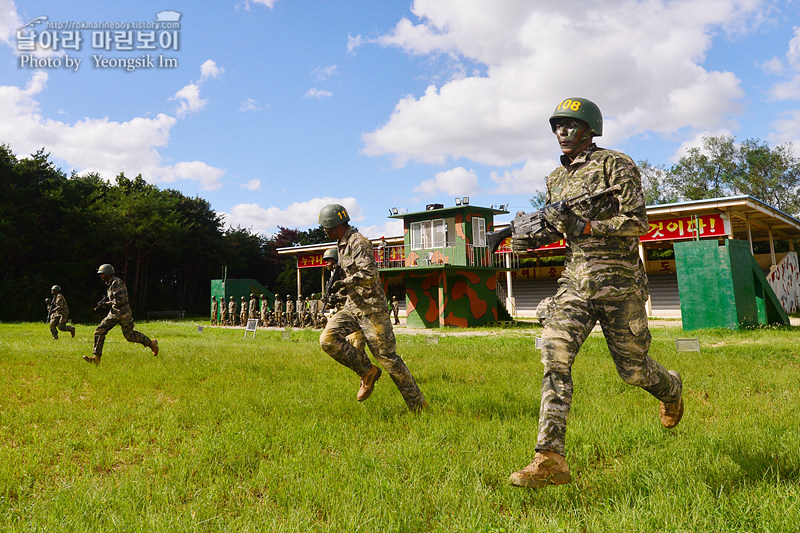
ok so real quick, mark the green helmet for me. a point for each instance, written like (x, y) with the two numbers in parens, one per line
(105, 269)
(331, 254)
(333, 215)
(581, 109)
(56, 288)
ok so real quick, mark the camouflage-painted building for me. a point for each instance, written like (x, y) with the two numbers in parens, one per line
(449, 273)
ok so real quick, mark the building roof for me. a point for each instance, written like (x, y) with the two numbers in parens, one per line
(741, 210)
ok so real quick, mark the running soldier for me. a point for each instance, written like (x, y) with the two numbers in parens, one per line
(396, 309)
(119, 313)
(59, 313)
(603, 280)
(364, 310)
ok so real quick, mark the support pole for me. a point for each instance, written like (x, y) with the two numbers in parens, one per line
(297, 261)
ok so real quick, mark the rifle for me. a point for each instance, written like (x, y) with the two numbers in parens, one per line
(525, 224)
(49, 302)
(336, 275)
(102, 303)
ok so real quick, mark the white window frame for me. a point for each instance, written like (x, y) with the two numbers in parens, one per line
(427, 234)
(478, 232)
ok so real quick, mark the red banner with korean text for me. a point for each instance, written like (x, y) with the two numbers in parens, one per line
(716, 225)
(310, 260)
(675, 229)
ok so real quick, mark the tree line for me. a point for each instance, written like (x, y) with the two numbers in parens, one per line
(57, 229)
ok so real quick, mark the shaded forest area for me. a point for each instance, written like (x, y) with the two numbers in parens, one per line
(57, 229)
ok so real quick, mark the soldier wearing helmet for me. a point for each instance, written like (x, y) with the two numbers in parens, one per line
(278, 311)
(364, 311)
(231, 311)
(59, 313)
(214, 310)
(253, 307)
(119, 313)
(243, 312)
(603, 280)
(289, 316)
(223, 311)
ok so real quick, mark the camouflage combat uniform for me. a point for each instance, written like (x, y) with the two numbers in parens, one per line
(243, 313)
(59, 316)
(289, 317)
(214, 311)
(120, 313)
(603, 280)
(232, 312)
(264, 311)
(253, 307)
(396, 309)
(278, 311)
(365, 309)
(223, 312)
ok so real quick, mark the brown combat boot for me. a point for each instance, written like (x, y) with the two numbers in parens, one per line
(368, 383)
(72, 332)
(547, 468)
(670, 413)
(154, 347)
(92, 359)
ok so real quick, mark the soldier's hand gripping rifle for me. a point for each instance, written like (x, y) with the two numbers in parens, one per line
(336, 274)
(102, 304)
(529, 225)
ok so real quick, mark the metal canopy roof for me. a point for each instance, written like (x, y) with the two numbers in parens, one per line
(741, 210)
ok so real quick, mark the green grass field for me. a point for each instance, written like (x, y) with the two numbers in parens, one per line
(220, 433)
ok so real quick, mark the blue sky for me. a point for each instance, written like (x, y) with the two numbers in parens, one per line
(274, 108)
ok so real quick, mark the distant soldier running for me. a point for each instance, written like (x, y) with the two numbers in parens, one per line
(59, 313)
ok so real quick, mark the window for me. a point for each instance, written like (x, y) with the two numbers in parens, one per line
(478, 231)
(428, 234)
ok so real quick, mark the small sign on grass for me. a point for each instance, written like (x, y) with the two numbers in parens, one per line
(687, 345)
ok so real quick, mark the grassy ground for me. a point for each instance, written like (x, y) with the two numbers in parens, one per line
(223, 433)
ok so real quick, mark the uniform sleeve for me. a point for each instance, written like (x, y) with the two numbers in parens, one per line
(118, 294)
(366, 271)
(631, 219)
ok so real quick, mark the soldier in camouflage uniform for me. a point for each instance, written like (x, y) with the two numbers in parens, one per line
(313, 311)
(214, 310)
(278, 311)
(120, 313)
(59, 313)
(364, 310)
(603, 280)
(223, 311)
(396, 309)
(289, 316)
(231, 312)
(264, 311)
(243, 312)
(253, 308)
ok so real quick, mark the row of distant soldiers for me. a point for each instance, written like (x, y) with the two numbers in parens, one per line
(302, 313)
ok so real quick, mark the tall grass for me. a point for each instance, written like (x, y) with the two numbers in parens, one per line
(222, 433)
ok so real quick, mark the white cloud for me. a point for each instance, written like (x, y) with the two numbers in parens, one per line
(787, 129)
(250, 104)
(454, 182)
(391, 228)
(209, 69)
(96, 144)
(318, 93)
(190, 101)
(354, 42)
(772, 66)
(323, 73)
(296, 215)
(246, 3)
(526, 180)
(499, 117)
(252, 185)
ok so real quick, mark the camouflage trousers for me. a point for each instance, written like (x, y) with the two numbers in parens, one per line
(568, 318)
(378, 332)
(60, 322)
(126, 323)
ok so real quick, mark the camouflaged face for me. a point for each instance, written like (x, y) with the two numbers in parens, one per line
(605, 263)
